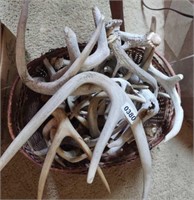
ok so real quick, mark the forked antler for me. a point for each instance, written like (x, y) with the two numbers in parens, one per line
(36, 85)
(123, 60)
(168, 83)
(49, 132)
(101, 53)
(65, 129)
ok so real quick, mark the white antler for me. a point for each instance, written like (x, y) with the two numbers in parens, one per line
(141, 140)
(123, 60)
(168, 83)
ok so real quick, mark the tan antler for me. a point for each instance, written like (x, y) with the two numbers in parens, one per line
(65, 129)
(36, 85)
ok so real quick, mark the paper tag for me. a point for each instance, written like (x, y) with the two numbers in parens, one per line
(129, 112)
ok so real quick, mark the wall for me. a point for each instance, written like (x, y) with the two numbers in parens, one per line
(179, 50)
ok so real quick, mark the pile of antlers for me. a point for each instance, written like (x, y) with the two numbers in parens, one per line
(110, 102)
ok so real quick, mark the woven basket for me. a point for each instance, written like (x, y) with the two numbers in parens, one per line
(24, 102)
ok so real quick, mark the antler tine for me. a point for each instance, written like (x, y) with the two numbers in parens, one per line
(49, 159)
(73, 51)
(20, 41)
(168, 83)
(48, 88)
(72, 44)
(149, 51)
(102, 51)
(144, 153)
(93, 116)
(143, 148)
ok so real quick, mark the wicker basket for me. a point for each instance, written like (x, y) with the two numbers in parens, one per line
(24, 102)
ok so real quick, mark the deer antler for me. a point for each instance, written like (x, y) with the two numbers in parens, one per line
(36, 85)
(168, 83)
(123, 60)
(65, 129)
(49, 132)
(101, 53)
